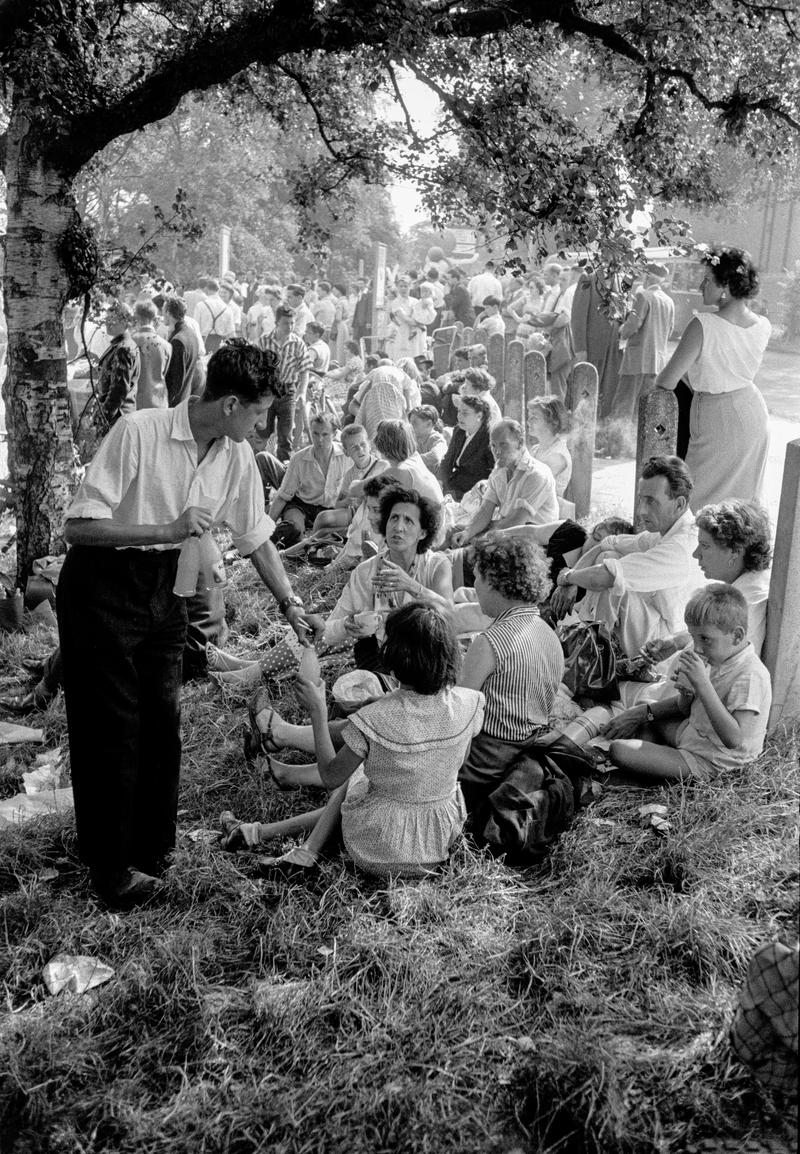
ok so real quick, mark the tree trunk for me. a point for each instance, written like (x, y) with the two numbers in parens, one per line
(40, 448)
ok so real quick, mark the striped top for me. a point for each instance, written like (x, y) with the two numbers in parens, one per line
(529, 664)
(294, 358)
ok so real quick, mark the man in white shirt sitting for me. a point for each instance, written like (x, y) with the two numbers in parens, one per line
(639, 583)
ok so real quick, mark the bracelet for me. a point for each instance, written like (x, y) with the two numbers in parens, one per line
(290, 599)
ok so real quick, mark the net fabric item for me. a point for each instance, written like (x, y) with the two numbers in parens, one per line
(764, 1031)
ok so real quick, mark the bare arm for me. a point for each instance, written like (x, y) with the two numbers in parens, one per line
(478, 665)
(267, 563)
(106, 533)
(689, 348)
(480, 522)
(595, 577)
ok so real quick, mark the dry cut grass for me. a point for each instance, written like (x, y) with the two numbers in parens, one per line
(580, 1007)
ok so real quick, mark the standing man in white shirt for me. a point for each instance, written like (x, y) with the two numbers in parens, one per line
(485, 284)
(647, 329)
(160, 477)
(324, 309)
(214, 318)
(295, 302)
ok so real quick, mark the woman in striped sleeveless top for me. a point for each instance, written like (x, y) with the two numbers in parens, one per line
(517, 663)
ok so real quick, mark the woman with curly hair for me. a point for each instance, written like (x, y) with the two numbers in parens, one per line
(733, 545)
(517, 663)
(720, 354)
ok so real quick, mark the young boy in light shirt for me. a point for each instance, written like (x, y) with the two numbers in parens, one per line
(717, 719)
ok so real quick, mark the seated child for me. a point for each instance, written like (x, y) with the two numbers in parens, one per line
(392, 767)
(717, 719)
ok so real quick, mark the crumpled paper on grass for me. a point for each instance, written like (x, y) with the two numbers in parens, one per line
(75, 973)
(46, 773)
(13, 734)
(24, 806)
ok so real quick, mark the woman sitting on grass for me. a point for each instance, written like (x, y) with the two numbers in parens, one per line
(548, 422)
(469, 458)
(717, 718)
(517, 663)
(394, 441)
(392, 767)
(429, 435)
(404, 570)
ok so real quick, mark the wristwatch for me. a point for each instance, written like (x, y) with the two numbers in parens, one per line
(291, 599)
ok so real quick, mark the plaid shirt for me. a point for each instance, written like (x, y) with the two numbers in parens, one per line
(294, 359)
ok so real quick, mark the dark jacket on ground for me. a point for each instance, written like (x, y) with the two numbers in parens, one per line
(475, 465)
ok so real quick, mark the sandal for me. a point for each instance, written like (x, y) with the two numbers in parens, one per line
(259, 742)
(296, 863)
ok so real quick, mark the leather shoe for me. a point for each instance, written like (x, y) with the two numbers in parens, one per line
(126, 890)
(38, 698)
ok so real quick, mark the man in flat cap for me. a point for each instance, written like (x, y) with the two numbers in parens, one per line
(647, 329)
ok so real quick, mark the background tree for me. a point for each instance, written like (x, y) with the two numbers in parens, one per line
(78, 74)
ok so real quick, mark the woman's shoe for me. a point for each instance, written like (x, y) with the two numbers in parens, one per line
(221, 662)
(296, 863)
(258, 741)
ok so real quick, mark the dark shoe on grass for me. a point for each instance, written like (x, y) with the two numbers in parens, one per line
(126, 890)
(21, 703)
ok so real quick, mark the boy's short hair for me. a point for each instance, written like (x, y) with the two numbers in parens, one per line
(719, 605)
(421, 648)
(145, 312)
(491, 302)
(314, 327)
(326, 419)
(352, 430)
(282, 314)
(176, 307)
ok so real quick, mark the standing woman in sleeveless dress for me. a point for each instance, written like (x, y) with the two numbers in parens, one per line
(721, 353)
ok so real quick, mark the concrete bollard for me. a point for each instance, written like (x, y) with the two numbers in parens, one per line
(657, 430)
(582, 404)
(515, 388)
(442, 345)
(496, 355)
(782, 644)
(467, 336)
(535, 374)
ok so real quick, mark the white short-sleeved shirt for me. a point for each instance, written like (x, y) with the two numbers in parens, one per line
(532, 488)
(742, 683)
(305, 479)
(146, 472)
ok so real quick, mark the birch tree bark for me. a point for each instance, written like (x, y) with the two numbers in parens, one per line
(41, 456)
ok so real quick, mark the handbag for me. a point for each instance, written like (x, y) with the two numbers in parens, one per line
(590, 664)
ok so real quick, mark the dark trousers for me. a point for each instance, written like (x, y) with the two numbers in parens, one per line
(122, 633)
(281, 418)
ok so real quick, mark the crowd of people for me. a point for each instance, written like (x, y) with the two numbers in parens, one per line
(450, 559)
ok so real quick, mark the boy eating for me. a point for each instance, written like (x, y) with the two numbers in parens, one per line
(717, 719)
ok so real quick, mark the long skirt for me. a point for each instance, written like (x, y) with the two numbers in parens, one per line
(728, 446)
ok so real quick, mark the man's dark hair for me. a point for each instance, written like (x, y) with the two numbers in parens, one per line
(421, 648)
(175, 307)
(674, 471)
(430, 514)
(241, 370)
(315, 327)
(282, 313)
(323, 287)
(432, 274)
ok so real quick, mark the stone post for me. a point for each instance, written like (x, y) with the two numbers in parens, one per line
(657, 432)
(515, 391)
(782, 645)
(582, 403)
(535, 372)
(467, 336)
(496, 354)
(442, 344)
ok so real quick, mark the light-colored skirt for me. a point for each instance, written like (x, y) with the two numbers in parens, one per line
(728, 446)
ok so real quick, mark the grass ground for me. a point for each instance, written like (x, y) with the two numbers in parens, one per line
(580, 1007)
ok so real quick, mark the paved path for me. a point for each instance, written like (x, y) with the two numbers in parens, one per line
(779, 381)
